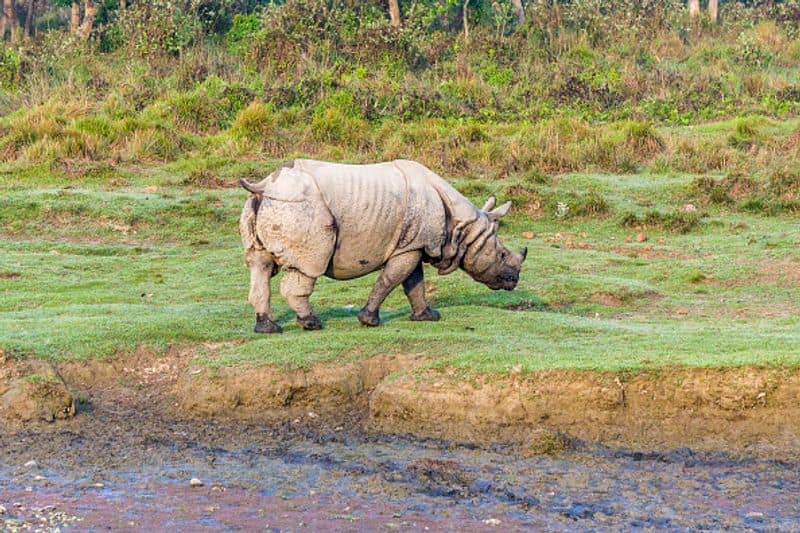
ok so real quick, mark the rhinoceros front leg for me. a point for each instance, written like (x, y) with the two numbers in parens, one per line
(262, 268)
(394, 272)
(296, 288)
(414, 287)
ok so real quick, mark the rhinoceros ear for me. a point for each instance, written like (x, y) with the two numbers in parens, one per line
(500, 212)
(489, 204)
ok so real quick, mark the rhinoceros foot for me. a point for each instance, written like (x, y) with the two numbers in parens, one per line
(368, 318)
(310, 322)
(428, 314)
(265, 325)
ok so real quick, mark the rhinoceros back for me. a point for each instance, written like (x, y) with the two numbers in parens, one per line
(380, 210)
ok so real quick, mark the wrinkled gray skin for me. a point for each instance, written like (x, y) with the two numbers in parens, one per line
(344, 221)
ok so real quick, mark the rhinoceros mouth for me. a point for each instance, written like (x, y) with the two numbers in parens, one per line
(507, 283)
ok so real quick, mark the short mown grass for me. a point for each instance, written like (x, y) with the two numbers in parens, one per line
(94, 266)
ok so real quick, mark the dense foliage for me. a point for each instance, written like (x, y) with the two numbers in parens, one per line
(229, 78)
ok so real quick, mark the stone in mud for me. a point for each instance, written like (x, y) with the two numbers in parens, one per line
(37, 397)
(194, 482)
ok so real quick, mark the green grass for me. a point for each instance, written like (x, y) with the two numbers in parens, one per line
(93, 267)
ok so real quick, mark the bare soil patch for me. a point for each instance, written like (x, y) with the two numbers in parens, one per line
(783, 272)
(749, 410)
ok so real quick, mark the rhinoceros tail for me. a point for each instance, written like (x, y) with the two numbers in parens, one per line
(250, 187)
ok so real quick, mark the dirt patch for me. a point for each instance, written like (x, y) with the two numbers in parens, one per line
(752, 410)
(742, 409)
(607, 298)
(32, 390)
(276, 393)
(10, 275)
(781, 272)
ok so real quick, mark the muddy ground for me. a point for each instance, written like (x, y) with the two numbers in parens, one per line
(356, 447)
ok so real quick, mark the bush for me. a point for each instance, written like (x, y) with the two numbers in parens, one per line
(337, 120)
(255, 122)
(10, 67)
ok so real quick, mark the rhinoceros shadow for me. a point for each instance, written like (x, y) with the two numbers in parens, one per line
(330, 313)
(514, 301)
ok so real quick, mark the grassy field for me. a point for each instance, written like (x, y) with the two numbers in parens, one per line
(98, 259)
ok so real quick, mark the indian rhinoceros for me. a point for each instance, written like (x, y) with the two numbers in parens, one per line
(344, 221)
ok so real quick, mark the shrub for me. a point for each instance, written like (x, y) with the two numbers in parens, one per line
(10, 67)
(245, 30)
(255, 122)
(677, 221)
(337, 120)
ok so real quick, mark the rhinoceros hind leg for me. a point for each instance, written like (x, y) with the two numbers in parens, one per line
(296, 288)
(262, 268)
(414, 287)
(396, 270)
(264, 324)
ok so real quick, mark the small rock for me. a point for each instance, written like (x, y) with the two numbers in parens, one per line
(754, 514)
(98, 485)
(151, 188)
(628, 240)
(647, 248)
(641, 237)
(681, 311)
(38, 478)
(528, 235)
(31, 464)
(312, 414)
(583, 245)
(194, 482)
(492, 522)
(3, 510)
(689, 208)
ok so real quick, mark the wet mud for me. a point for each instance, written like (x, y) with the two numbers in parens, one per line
(131, 470)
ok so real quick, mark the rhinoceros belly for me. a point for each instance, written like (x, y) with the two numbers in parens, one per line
(368, 203)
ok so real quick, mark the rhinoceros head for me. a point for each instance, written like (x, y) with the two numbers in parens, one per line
(475, 247)
(486, 259)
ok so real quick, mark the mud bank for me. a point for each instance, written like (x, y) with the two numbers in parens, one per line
(743, 410)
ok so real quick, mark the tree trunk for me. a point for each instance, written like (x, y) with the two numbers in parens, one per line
(10, 12)
(713, 10)
(694, 9)
(29, 17)
(89, 12)
(394, 13)
(465, 17)
(74, 17)
(519, 11)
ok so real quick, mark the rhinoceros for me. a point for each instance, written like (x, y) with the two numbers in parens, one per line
(316, 218)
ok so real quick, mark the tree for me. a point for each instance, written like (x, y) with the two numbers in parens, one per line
(89, 14)
(29, 17)
(519, 12)
(74, 17)
(713, 10)
(694, 9)
(9, 20)
(394, 13)
(465, 17)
